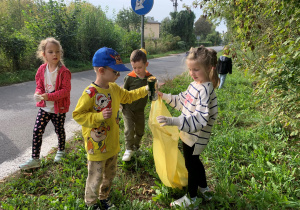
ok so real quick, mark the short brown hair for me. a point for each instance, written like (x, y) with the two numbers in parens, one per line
(138, 55)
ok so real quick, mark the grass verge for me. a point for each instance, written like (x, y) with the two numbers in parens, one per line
(249, 164)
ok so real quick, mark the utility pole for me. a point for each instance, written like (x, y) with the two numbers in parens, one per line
(142, 31)
(175, 4)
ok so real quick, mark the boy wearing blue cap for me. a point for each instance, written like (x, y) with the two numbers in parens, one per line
(97, 111)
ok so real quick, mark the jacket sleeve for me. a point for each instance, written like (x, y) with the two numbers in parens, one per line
(230, 66)
(175, 101)
(127, 97)
(65, 87)
(199, 118)
(84, 115)
(126, 83)
(40, 86)
(218, 66)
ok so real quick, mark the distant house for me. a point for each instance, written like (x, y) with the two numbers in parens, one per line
(151, 28)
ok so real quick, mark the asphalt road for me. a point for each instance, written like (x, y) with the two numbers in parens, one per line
(18, 112)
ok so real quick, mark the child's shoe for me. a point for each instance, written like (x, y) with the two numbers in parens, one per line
(106, 204)
(205, 192)
(59, 155)
(184, 202)
(31, 163)
(127, 155)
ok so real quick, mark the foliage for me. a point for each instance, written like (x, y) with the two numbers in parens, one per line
(181, 24)
(165, 26)
(206, 43)
(80, 27)
(130, 41)
(95, 31)
(129, 20)
(214, 38)
(250, 164)
(203, 27)
(265, 37)
(164, 44)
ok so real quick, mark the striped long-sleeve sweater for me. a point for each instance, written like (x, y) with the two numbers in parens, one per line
(198, 105)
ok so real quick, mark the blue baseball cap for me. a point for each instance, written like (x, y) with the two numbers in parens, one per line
(108, 57)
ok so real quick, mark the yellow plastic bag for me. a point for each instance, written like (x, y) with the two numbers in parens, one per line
(169, 161)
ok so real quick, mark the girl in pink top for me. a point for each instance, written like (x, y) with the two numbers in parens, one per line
(52, 95)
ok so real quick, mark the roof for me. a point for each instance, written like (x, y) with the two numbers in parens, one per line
(150, 20)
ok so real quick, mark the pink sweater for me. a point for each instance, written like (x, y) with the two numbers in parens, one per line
(61, 96)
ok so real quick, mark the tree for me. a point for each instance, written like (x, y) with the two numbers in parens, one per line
(203, 27)
(128, 19)
(181, 24)
(165, 26)
(214, 38)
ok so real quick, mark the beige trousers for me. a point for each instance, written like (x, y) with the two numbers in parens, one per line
(99, 180)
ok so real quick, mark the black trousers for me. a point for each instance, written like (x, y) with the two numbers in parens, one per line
(196, 171)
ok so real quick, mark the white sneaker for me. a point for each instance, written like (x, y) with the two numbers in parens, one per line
(59, 155)
(204, 191)
(183, 202)
(31, 163)
(127, 155)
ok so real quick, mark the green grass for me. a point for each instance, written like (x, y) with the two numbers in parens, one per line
(249, 164)
(8, 78)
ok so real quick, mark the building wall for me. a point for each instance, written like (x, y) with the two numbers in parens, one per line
(152, 30)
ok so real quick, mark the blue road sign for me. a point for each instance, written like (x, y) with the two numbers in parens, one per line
(142, 7)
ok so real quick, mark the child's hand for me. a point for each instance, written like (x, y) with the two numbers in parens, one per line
(160, 93)
(168, 120)
(107, 113)
(45, 96)
(37, 97)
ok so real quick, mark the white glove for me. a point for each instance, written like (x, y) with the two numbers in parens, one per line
(168, 120)
(37, 97)
(147, 87)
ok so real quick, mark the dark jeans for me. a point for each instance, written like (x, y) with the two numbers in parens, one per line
(196, 171)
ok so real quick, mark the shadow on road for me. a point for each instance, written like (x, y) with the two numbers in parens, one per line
(10, 150)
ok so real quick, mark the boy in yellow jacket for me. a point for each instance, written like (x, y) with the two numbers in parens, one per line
(97, 111)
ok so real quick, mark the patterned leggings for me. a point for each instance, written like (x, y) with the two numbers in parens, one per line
(42, 119)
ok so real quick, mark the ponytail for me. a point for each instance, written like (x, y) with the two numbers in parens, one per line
(213, 74)
(213, 77)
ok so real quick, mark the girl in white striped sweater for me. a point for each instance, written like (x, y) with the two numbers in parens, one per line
(198, 105)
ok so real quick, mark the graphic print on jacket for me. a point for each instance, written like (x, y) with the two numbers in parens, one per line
(101, 100)
(98, 136)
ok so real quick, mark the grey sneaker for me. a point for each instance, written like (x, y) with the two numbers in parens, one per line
(206, 193)
(59, 155)
(184, 202)
(31, 163)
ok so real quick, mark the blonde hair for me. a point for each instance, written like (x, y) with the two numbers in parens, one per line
(226, 50)
(208, 59)
(42, 47)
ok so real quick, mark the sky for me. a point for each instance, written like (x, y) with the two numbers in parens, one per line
(160, 10)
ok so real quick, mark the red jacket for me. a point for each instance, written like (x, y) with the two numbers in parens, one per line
(61, 96)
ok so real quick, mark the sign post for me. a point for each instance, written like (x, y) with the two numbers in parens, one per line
(142, 7)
